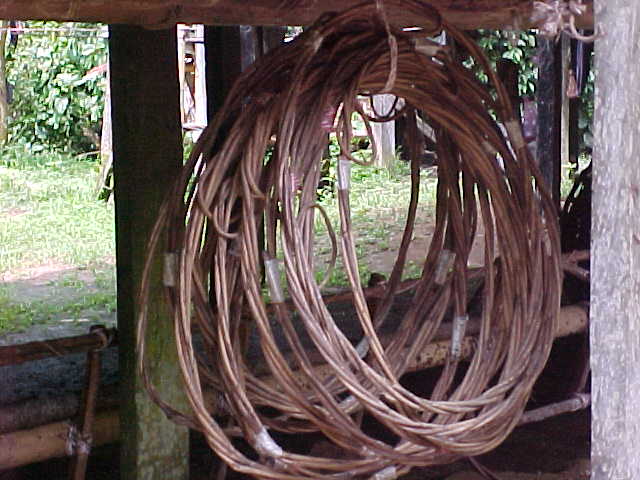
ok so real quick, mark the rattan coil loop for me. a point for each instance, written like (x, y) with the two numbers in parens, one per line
(211, 223)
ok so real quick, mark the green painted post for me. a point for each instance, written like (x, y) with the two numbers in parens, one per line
(147, 153)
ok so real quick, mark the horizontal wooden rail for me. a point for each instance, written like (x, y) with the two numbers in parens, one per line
(469, 15)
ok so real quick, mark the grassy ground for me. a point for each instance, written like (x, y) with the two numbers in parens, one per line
(379, 201)
(56, 241)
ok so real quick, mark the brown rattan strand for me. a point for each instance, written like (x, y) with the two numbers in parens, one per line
(237, 182)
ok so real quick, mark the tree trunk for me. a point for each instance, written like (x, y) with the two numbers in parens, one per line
(615, 262)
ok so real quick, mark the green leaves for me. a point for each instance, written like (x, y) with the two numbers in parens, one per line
(519, 47)
(54, 104)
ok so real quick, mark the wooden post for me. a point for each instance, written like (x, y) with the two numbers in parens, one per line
(103, 189)
(226, 58)
(564, 101)
(384, 134)
(201, 82)
(615, 245)
(548, 93)
(181, 70)
(272, 37)
(147, 154)
(581, 66)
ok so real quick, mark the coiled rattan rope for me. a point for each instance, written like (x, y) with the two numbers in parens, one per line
(211, 224)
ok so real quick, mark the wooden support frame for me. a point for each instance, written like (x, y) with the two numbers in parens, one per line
(615, 245)
(49, 441)
(470, 14)
(147, 156)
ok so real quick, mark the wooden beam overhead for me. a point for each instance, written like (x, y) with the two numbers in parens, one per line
(466, 14)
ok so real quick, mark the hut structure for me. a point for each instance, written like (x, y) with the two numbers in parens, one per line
(147, 154)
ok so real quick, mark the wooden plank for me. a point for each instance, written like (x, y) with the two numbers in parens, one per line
(147, 154)
(469, 14)
(615, 245)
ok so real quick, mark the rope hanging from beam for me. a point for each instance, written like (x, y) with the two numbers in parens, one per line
(235, 184)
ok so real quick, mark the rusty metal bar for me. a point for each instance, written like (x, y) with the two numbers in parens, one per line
(28, 352)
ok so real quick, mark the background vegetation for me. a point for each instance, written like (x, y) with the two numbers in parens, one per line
(56, 105)
(49, 213)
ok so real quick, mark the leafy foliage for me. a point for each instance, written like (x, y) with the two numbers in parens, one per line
(55, 103)
(519, 47)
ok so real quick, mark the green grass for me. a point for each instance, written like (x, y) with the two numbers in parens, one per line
(49, 214)
(379, 201)
(50, 219)
(87, 307)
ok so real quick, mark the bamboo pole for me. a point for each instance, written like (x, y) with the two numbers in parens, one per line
(578, 401)
(52, 440)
